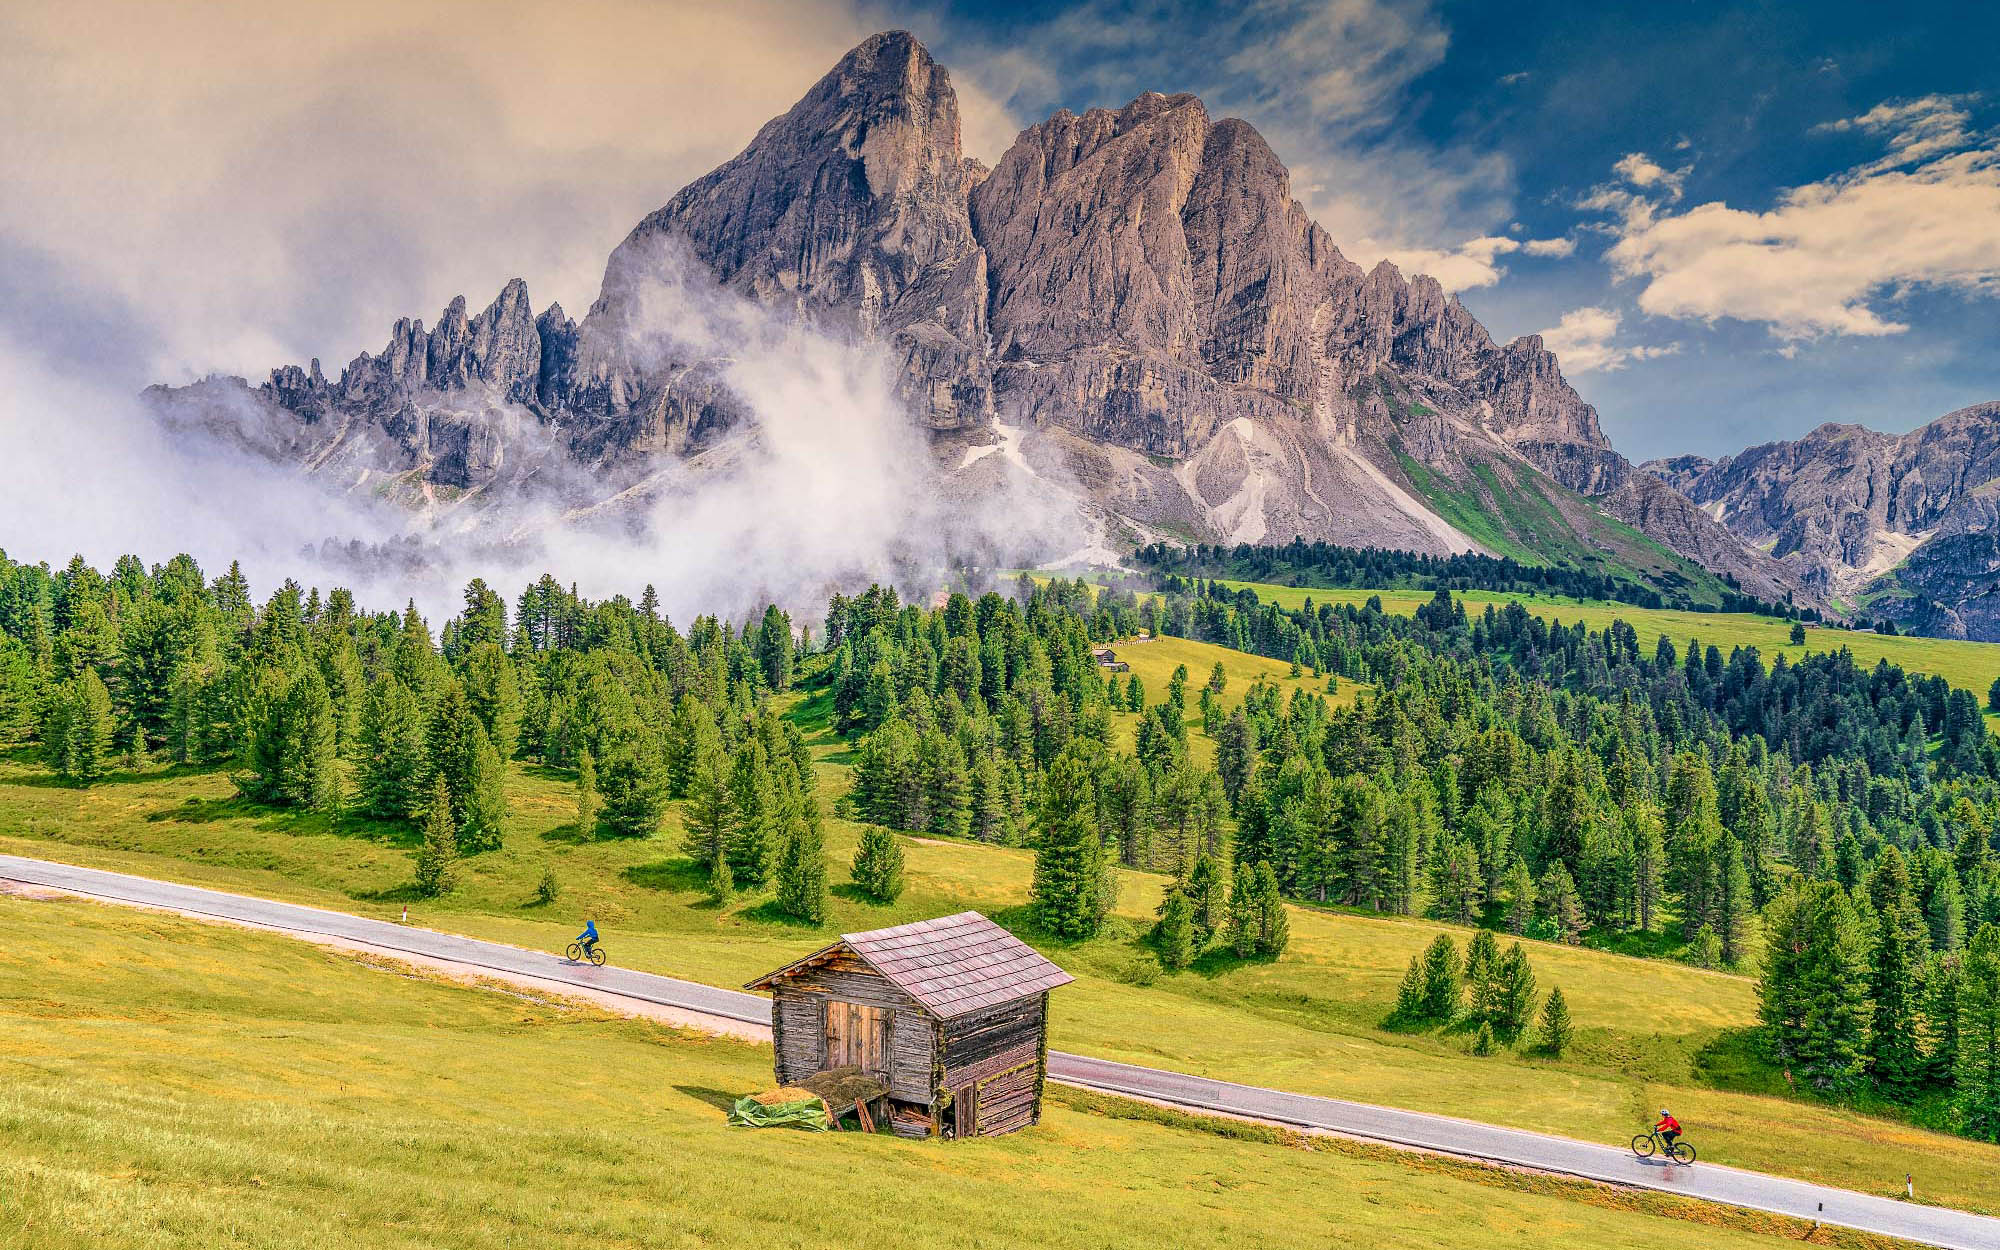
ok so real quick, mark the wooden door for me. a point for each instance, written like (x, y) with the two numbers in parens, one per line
(857, 1036)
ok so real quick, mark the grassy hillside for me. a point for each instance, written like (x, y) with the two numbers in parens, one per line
(183, 1085)
(1513, 510)
(1650, 1033)
(1970, 665)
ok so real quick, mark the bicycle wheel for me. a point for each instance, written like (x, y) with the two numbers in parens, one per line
(574, 954)
(597, 957)
(1683, 1153)
(1643, 1145)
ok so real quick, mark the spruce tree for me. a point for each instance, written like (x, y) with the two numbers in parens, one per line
(587, 798)
(437, 858)
(1482, 1044)
(77, 733)
(1175, 934)
(987, 802)
(309, 773)
(1442, 980)
(1733, 904)
(1243, 912)
(1649, 858)
(1522, 897)
(878, 864)
(721, 878)
(1557, 1031)
(1069, 856)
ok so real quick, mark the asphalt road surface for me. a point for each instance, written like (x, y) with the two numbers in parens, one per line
(1934, 1225)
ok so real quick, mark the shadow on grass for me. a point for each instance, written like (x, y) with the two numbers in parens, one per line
(855, 894)
(719, 1099)
(404, 893)
(548, 772)
(45, 780)
(769, 913)
(679, 875)
(199, 811)
(571, 834)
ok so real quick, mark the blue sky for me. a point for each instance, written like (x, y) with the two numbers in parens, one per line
(1783, 264)
(1734, 221)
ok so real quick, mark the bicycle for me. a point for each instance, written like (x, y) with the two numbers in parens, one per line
(1646, 1143)
(575, 954)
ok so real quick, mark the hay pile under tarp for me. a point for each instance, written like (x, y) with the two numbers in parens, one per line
(841, 1088)
(788, 1104)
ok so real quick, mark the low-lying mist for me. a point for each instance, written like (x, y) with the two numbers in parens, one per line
(823, 482)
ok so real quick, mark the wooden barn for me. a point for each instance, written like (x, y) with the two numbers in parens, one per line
(949, 1015)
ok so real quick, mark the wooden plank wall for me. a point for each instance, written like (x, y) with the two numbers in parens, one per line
(801, 1039)
(995, 1057)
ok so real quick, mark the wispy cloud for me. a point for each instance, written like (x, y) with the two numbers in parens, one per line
(1586, 341)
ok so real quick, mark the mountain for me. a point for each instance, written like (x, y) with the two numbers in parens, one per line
(1129, 313)
(1895, 525)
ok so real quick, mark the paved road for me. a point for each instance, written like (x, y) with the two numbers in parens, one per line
(1934, 1225)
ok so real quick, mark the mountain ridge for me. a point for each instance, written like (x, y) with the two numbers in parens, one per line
(1130, 303)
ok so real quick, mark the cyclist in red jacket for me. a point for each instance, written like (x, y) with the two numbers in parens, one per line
(1668, 1128)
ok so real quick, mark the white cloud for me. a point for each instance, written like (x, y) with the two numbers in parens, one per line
(1645, 173)
(1829, 256)
(1585, 341)
(258, 182)
(1475, 262)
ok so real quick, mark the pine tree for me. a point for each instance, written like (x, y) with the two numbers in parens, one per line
(484, 805)
(1557, 1031)
(1410, 994)
(1813, 997)
(1733, 905)
(1442, 980)
(878, 864)
(1649, 858)
(1482, 1044)
(753, 833)
(1243, 912)
(1069, 857)
(1207, 893)
(1457, 890)
(987, 803)
(437, 858)
(1274, 927)
(392, 758)
(1895, 1055)
(802, 866)
(633, 787)
(77, 733)
(587, 798)
(1482, 974)
(1976, 1071)
(721, 878)
(1562, 907)
(1515, 1000)
(1522, 897)
(1175, 934)
(711, 809)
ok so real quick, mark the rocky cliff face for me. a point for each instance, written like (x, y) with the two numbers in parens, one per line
(1897, 523)
(1130, 308)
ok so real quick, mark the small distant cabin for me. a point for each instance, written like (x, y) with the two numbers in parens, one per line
(1107, 658)
(951, 1015)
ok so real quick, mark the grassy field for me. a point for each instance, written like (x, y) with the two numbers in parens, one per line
(1651, 1033)
(1969, 665)
(186, 1085)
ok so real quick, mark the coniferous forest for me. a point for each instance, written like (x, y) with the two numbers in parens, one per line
(1825, 827)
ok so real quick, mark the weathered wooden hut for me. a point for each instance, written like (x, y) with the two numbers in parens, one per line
(951, 1015)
